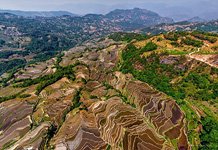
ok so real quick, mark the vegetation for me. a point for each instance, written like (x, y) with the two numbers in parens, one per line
(150, 46)
(93, 97)
(43, 56)
(150, 74)
(2, 42)
(60, 73)
(6, 54)
(215, 48)
(209, 33)
(175, 52)
(172, 36)
(2, 99)
(11, 64)
(46, 80)
(76, 100)
(130, 55)
(127, 37)
(192, 42)
(209, 136)
(186, 38)
(201, 86)
(24, 95)
(194, 84)
(48, 36)
(203, 36)
(9, 144)
(175, 44)
(108, 147)
(208, 28)
(11, 73)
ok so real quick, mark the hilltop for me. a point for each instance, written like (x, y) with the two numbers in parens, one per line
(132, 19)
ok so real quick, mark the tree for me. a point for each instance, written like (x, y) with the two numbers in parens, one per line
(150, 46)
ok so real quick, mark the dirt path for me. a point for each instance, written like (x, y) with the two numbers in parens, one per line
(194, 52)
(202, 58)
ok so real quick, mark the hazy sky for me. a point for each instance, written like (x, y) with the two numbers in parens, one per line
(170, 8)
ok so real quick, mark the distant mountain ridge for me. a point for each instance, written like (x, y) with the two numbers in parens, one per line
(206, 26)
(38, 13)
(196, 19)
(125, 19)
(136, 18)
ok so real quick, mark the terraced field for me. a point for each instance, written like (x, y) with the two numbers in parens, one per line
(84, 100)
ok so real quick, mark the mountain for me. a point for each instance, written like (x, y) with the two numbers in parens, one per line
(211, 26)
(196, 19)
(38, 13)
(130, 18)
(31, 39)
(125, 91)
(136, 18)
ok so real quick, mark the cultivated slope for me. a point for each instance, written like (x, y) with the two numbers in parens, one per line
(88, 98)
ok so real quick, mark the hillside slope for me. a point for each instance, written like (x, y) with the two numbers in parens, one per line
(107, 94)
